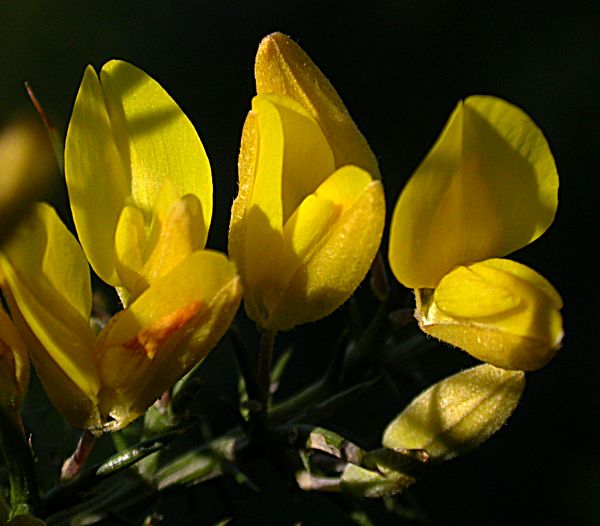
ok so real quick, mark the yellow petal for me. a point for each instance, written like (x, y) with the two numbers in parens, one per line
(320, 265)
(284, 158)
(78, 405)
(155, 137)
(497, 310)
(282, 67)
(457, 414)
(177, 230)
(236, 244)
(170, 328)
(47, 274)
(302, 234)
(97, 175)
(179, 236)
(487, 187)
(126, 137)
(130, 246)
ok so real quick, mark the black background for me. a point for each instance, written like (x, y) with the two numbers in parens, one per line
(400, 67)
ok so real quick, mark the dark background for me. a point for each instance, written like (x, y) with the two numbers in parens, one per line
(400, 67)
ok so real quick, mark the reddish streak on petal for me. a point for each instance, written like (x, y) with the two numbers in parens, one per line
(149, 339)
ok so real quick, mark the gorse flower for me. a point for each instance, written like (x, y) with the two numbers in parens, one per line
(309, 215)
(487, 187)
(138, 178)
(140, 191)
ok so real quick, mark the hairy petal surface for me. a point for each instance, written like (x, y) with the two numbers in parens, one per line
(458, 413)
(283, 67)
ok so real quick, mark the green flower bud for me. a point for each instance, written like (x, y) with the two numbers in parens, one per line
(457, 414)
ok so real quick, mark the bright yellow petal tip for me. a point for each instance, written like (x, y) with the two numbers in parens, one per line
(487, 187)
(497, 310)
(283, 67)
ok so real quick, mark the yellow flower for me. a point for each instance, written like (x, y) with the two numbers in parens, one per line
(138, 178)
(488, 186)
(310, 211)
(141, 196)
(104, 381)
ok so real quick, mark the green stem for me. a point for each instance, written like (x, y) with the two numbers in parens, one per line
(18, 460)
(247, 365)
(299, 403)
(203, 463)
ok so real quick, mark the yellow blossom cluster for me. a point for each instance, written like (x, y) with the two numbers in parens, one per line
(305, 228)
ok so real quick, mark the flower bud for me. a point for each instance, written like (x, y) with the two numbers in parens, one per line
(309, 195)
(458, 413)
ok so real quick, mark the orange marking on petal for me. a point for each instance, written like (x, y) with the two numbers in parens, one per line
(150, 338)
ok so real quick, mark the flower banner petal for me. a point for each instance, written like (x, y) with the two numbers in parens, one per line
(125, 138)
(487, 187)
(155, 137)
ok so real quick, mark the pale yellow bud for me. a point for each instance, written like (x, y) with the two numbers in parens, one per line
(457, 414)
